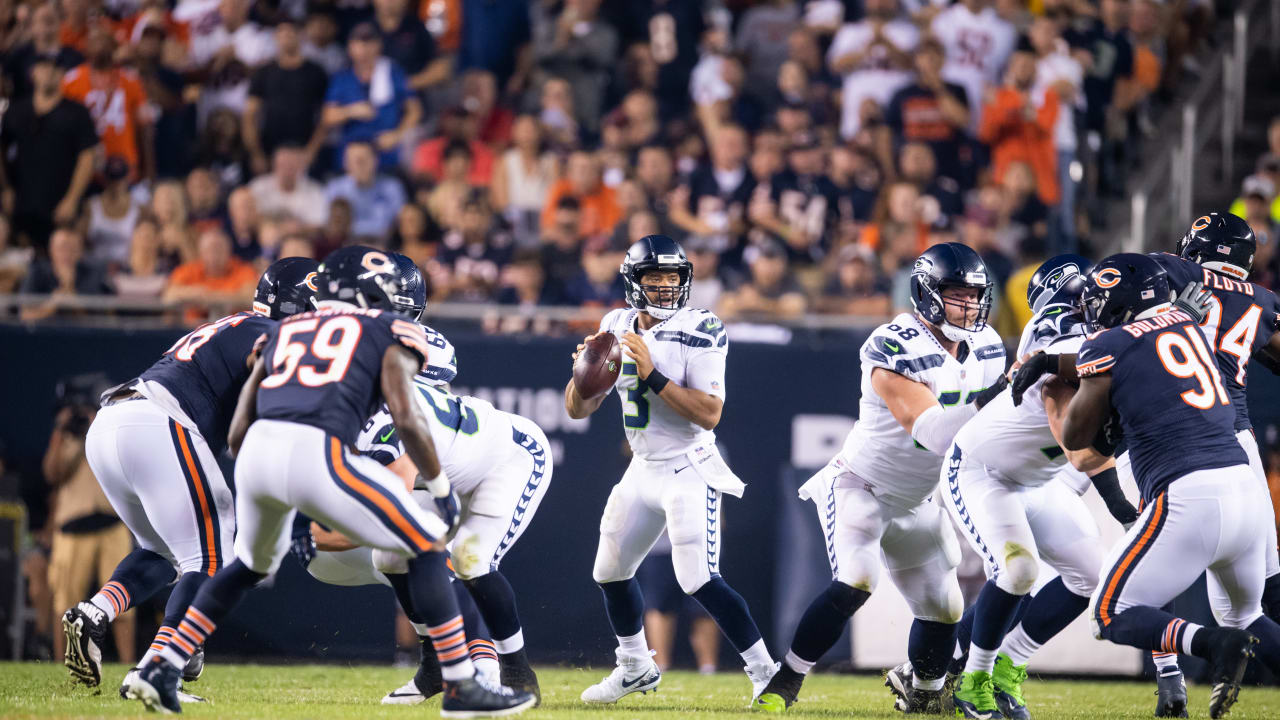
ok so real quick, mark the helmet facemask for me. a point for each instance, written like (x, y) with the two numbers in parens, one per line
(972, 311)
(658, 300)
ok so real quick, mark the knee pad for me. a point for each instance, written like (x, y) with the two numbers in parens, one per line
(692, 567)
(845, 599)
(390, 563)
(1018, 571)
(465, 556)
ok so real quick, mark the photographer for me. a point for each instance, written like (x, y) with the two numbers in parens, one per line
(88, 539)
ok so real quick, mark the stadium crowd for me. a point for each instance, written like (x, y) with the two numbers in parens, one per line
(804, 151)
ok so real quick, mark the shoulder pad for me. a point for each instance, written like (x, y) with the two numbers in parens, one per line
(703, 325)
(904, 351)
(987, 345)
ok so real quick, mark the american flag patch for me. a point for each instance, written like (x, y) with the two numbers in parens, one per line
(1148, 294)
(1224, 249)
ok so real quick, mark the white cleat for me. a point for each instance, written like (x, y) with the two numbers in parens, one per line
(407, 694)
(760, 675)
(632, 675)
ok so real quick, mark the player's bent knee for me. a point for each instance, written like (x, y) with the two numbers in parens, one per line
(690, 573)
(1021, 569)
(1239, 621)
(846, 599)
(390, 563)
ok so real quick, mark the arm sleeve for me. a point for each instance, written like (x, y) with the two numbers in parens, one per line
(937, 426)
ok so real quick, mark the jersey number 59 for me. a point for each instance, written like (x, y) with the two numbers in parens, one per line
(333, 344)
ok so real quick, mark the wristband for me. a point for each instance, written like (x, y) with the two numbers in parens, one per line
(656, 381)
(438, 486)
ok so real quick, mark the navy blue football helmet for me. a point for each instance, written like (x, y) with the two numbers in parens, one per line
(413, 302)
(1060, 279)
(950, 265)
(1221, 242)
(287, 288)
(656, 252)
(1122, 287)
(363, 276)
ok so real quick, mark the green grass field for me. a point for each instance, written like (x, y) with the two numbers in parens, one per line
(327, 691)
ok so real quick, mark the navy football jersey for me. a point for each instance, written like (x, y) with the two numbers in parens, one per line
(1176, 415)
(324, 367)
(1242, 320)
(206, 368)
(810, 202)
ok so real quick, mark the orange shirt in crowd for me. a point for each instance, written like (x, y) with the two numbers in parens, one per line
(1014, 137)
(239, 277)
(114, 99)
(1146, 68)
(448, 12)
(78, 37)
(869, 237)
(428, 160)
(600, 211)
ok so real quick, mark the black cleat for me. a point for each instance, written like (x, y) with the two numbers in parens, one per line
(781, 692)
(473, 698)
(909, 699)
(1229, 654)
(156, 685)
(518, 674)
(85, 627)
(1171, 695)
(426, 682)
(194, 668)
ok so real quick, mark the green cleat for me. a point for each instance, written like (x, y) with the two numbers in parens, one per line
(770, 703)
(975, 697)
(1008, 679)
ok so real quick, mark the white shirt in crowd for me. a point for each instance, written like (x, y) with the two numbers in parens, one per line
(977, 45)
(875, 78)
(306, 203)
(1049, 70)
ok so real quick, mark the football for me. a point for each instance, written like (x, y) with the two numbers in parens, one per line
(597, 367)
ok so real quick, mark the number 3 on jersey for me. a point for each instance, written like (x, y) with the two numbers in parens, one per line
(333, 343)
(1185, 356)
(639, 419)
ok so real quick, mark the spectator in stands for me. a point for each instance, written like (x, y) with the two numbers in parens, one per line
(415, 235)
(656, 176)
(286, 98)
(14, 261)
(598, 284)
(143, 277)
(522, 178)
(320, 42)
(1020, 127)
(673, 31)
(488, 122)
(43, 42)
(713, 201)
(855, 285)
(204, 197)
(708, 286)
(48, 142)
(873, 56)
(857, 180)
(940, 194)
(561, 247)
(65, 273)
(174, 116)
(216, 275)
(929, 110)
(580, 48)
(1106, 82)
(521, 284)
(1021, 211)
(288, 189)
(1057, 70)
(337, 228)
(242, 224)
(599, 209)
(762, 37)
(446, 198)
(371, 102)
(226, 47)
(123, 122)
(457, 126)
(1257, 198)
(977, 44)
(222, 149)
(979, 231)
(899, 232)
(641, 124)
(296, 245)
(801, 205)
(495, 37)
(406, 41)
(475, 253)
(556, 113)
(79, 19)
(1268, 168)
(169, 208)
(375, 199)
(112, 215)
(769, 290)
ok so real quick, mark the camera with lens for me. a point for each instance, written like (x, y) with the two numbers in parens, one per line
(78, 395)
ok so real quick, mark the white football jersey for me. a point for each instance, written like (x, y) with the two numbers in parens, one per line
(1016, 443)
(689, 348)
(978, 45)
(876, 78)
(466, 432)
(878, 449)
(442, 359)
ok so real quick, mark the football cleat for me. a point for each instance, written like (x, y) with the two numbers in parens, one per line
(85, 626)
(516, 673)
(1229, 654)
(1008, 679)
(781, 692)
(760, 675)
(184, 697)
(156, 685)
(194, 668)
(475, 698)
(910, 700)
(975, 697)
(426, 682)
(1171, 695)
(632, 675)
(408, 694)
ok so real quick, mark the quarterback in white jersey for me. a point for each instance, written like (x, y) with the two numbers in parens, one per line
(923, 376)
(672, 390)
(999, 485)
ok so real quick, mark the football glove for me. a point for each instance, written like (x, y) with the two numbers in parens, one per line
(303, 547)
(1195, 301)
(447, 506)
(1266, 360)
(1030, 371)
(989, 394)
(1107, 483)
(1109, 436)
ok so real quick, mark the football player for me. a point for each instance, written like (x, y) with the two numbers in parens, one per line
(924, 375)
(998, 484)
(320, 376)
(672, 390)
(154, 446)
(1152, 364)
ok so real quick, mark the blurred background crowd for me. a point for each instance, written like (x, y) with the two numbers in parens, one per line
(805, 152)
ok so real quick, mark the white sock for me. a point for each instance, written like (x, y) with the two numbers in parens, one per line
(923, 684)
(487, 666)
(459, 670)
(1191, 631)
(632, 646)
(1019, 646)
(797, 663)
(421, 629)
(101, 602)
(980, 659)
(146, 658)
(1166, 663)
(706, 669)
(172, 657)
(757, 654)
(515, 643)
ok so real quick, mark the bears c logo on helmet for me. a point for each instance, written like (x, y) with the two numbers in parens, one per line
(377, 263)
(309, 281)
(1107, 277)
(1201, 223)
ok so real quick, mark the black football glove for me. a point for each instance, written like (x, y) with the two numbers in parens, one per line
(447, 506)
(987, 395)
(1266, 360)
(1030, 371)
(1107, 483)
(303, 547)
(1195, 301)
(1109, 436)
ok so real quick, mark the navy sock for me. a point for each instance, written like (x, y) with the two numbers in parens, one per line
(824, 620)
(1271, 597)
(497, 603)
(929, 647)
(215, 599)
(431, 597)
(1141, 627)
(1051, 610)
(624, 604)
(476, 629)
(993, 616)
(400, 585)
(138, 576)
(730, 612)
(184, 592)
(1268, 648)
